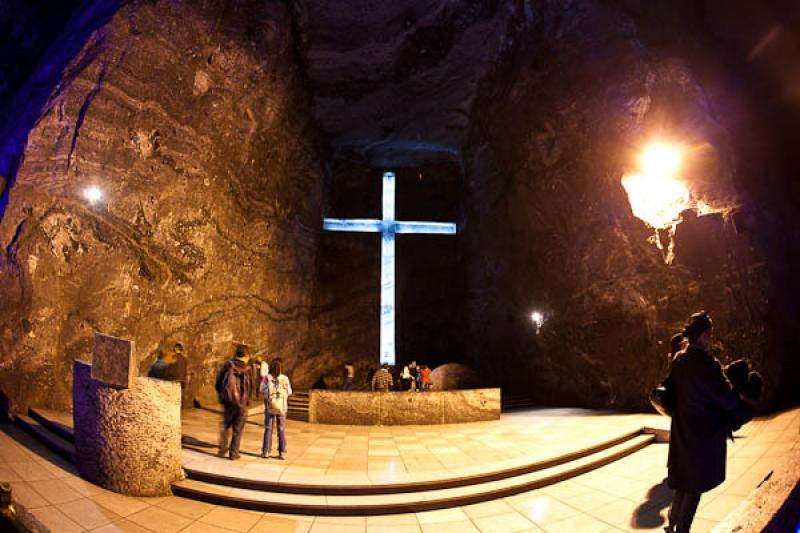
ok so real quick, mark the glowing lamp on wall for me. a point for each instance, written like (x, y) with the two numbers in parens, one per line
(93, 194)
(538, 319)
(655, 193)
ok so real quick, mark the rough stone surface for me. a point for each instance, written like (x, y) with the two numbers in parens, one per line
(772, 508)
(552, 230)
(515, 118)
(403, 408)
(192, 118)
(113, 361)
(357, 408)
(454, 376)
(468, 406)
(127, 440)
(394, 82)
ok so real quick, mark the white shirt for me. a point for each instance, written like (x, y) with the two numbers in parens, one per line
(282, 388)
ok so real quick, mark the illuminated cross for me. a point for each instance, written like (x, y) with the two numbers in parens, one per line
(387, 227)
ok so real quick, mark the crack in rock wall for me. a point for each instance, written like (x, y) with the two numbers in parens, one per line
(192, 120)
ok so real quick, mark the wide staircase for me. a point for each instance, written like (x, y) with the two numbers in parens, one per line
(226, 484)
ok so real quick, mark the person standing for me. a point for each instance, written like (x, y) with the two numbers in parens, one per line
(276, 389)
(698, 431)
(233, 386)
(414, 371)
(179, 373)
(349, 373)
(382, 381)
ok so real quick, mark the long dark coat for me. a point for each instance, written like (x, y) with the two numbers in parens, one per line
(698, 432)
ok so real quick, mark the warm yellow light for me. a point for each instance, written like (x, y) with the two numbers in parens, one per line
(659, 159)
(657, 200)
(655, 193)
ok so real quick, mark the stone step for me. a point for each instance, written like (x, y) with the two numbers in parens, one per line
(63, 431)
(246, 478)
(49, 439)
(404, 502)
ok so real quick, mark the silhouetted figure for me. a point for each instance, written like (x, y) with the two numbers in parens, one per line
(276, 389)
(233, 387)
(320, 384)
(677, 343)
(382, 381)
(748, 383)
(179, 371)
(170, 365)
(703, 397)
(370, 375)
(349, 373)
(162, 367)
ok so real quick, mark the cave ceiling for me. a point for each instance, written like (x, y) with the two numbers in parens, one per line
(393, 83)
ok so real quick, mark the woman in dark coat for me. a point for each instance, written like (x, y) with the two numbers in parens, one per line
(698, 432)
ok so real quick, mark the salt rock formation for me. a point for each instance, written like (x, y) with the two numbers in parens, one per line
(192, 121)
(587, 86)
(518, 120)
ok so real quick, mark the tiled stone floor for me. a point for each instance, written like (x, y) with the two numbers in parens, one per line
(628, 495)
(398, 454)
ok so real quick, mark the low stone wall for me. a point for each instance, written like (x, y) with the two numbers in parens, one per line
(127, 440)
(772, 508)
(403, 408)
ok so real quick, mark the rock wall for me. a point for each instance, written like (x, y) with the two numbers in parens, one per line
(517, 119)
(586, 85)
(192, 119)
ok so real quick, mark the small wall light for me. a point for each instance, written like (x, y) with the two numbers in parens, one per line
(93, 194)
(538, 319)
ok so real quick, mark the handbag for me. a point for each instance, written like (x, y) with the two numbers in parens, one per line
(662, 398)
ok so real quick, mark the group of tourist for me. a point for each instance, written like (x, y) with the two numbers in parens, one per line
(236, 386)
(413, 378)
(707, 403)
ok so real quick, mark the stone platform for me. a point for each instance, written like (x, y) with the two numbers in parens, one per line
(628, 494)
(403, 408)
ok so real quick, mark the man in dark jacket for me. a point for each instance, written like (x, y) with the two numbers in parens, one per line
(234, 388)
(697, 440)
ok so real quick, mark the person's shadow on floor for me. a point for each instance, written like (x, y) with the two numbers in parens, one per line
(648, 514)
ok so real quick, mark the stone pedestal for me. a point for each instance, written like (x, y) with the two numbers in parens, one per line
(127, 439)
(403, 408)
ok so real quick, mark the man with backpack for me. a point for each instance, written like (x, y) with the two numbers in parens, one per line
(234, 387)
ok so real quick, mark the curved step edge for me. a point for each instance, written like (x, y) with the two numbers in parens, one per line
(51, 441)
(395, 488)
(355, 509)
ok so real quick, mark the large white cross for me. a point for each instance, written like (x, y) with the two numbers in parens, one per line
(387, 227)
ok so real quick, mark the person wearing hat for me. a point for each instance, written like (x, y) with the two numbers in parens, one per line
(698, 431)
